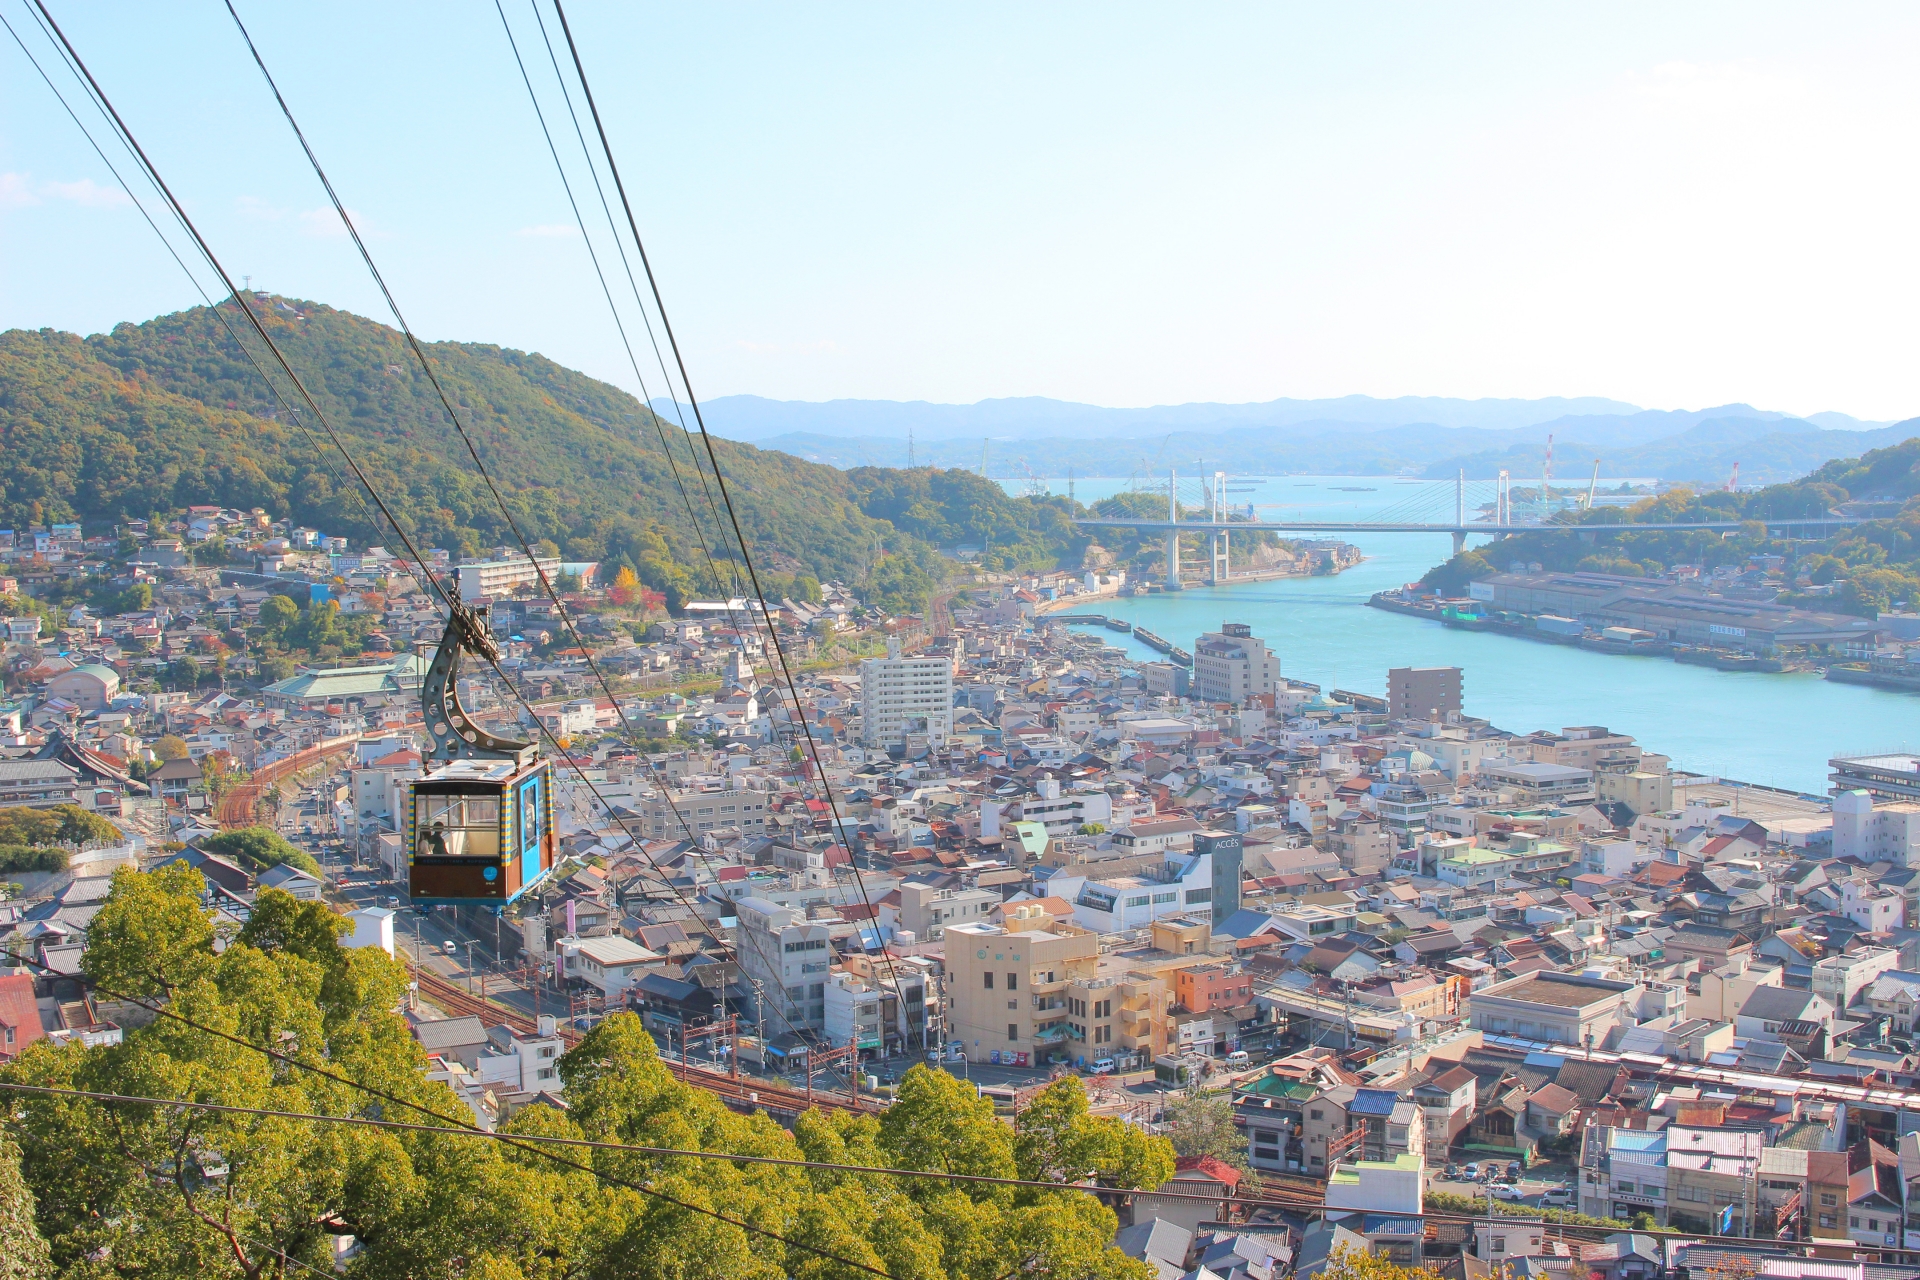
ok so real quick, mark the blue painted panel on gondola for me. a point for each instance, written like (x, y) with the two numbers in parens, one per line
(533, 818)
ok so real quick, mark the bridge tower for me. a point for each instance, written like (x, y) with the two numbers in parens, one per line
(1220, 566)
(1173, 531)
(1460, 512)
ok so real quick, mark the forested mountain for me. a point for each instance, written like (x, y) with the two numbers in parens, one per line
(154, 416)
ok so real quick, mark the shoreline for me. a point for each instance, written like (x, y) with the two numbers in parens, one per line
(1075, 602)
(1715, 659)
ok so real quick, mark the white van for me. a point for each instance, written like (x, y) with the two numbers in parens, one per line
(1561, 1197)
(1102, 1067)
(1238, 1058)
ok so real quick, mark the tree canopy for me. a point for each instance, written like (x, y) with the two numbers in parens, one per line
(259, 849)
(165, 1192)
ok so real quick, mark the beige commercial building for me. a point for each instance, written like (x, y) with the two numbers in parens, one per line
(1034, 991)
(1423, 693)
(1007, 985)
(1229, 665)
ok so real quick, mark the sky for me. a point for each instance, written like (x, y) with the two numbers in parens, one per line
(1678, 206)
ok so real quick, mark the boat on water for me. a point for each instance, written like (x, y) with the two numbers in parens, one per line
(1151, 640)
(1119, 624)
(1352, 488)
(1180, 656)
(1087, 618)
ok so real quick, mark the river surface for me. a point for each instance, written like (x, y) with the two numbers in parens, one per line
(1777, 730)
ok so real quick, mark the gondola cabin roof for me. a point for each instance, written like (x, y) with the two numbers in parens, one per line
(473, 771)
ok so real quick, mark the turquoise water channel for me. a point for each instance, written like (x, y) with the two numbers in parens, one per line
(1777, 730)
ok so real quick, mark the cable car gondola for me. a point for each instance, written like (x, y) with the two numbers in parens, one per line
(479, 823)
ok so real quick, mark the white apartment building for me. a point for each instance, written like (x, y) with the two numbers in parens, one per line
(1120, 903)
(926, 911)
(1064, 814)
(1876, 833)
(784, 958)
(853, 1013)
(529, 1064)
(706, 803)
(901, 696)
(1838, 979)
(487, 578)
(1872, 908)
(1229, 665)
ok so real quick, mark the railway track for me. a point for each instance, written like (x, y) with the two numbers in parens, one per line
(741, 1095)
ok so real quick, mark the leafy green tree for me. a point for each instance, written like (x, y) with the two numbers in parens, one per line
(151, 934)
(171, 1194)
(170, 748)
(1201, 1124)
(259, 848)
(277, 613)
(23, 1250)
(65, 824)
(1451, 578)
(14, 857)
(1059, 1139)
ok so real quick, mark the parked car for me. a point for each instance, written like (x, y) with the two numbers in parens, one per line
(1506, 1191)
(1102, 1066)
(1561, 1196)
(1239, 1058)
(1513, 1168)
(1471, 1173)
(1453, 1171)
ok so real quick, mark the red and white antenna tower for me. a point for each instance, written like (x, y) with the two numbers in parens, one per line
(1733, 481)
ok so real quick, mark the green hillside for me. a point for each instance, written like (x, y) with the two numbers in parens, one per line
(156, 415)
(1861, 569)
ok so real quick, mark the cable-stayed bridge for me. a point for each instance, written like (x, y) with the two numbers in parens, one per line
(1488, 508)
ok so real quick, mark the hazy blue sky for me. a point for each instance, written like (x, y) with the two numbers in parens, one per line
(1678, 205)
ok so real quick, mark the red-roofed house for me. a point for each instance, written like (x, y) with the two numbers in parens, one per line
(19, 1016)
(1193, 1176)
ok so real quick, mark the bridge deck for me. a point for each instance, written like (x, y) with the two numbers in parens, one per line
(1482, 527)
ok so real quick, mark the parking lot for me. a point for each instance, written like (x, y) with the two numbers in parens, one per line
(1527, 1190)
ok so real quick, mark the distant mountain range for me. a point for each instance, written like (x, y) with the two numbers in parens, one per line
(1359, 435)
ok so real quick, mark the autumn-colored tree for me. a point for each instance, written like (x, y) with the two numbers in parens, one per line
(170, 748)
(625, 591)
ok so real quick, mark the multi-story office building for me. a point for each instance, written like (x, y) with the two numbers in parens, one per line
(1007, 985)
(1423, 693)
(1224, 849)
(901, 696)
(1884, 777)
(784, 959)
(1229, 665)
(704, 804)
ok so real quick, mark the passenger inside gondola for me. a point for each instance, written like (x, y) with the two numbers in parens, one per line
(456, 826)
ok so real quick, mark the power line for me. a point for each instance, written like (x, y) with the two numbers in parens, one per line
(446, 403)
(625, 1148)
(757, 619)
(460, 1126)
(152, 174)
(713, 458)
